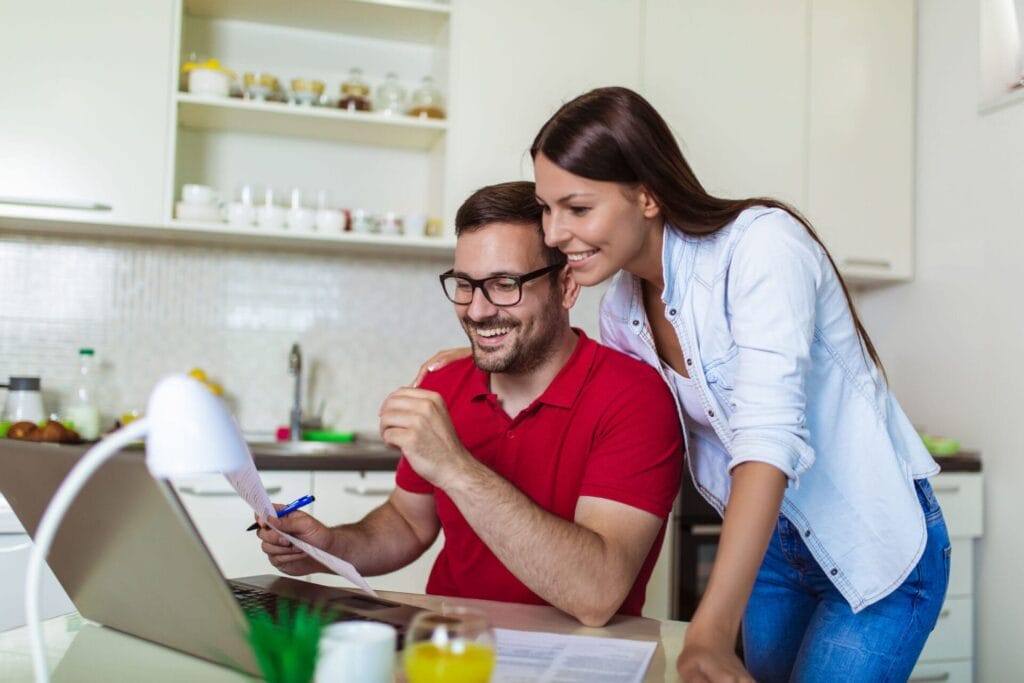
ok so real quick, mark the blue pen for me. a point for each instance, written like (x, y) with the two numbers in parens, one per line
(290, 507)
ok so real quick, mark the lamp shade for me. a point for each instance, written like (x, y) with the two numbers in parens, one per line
(190, 431)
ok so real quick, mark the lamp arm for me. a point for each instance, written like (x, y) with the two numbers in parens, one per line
(50, 522)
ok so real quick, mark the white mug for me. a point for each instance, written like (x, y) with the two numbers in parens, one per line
(198, 194)
(241, 214)
(301, 218)
(270, 216)
(356, 652)
(415, 224)
(330, 220)
(363, 221)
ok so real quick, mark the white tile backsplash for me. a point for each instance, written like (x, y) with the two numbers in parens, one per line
(365, 323)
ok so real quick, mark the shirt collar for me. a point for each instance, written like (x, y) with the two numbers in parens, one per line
(566, 385)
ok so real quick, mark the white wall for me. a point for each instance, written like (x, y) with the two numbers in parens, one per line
(953, 339)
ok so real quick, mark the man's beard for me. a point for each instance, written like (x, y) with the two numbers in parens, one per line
(524, 354)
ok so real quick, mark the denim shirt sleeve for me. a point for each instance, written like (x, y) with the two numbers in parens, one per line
(771, 295)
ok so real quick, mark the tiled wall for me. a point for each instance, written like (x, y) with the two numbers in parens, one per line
(365, 323)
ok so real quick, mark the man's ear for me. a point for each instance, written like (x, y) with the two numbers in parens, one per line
(569, 287)
(648, 203)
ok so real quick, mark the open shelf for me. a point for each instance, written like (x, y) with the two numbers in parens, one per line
(323, 123)
(405, 20)
(181, 232)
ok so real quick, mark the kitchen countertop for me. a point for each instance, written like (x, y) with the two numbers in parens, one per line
(964, 461)
(371, 455)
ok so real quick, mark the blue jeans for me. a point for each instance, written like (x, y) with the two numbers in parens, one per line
(798, 627)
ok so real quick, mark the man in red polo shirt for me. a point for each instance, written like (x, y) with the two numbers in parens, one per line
(549, 461)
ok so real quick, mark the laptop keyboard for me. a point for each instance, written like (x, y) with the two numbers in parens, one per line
(254, 600)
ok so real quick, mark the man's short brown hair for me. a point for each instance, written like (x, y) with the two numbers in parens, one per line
(514, 202)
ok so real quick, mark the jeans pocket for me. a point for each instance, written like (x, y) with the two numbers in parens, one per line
(929, 503)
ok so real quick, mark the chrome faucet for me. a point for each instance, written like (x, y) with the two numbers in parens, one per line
(295, 368)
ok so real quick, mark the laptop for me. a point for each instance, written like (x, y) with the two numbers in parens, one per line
(130, 558)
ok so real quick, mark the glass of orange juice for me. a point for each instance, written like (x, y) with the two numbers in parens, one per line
(453, 646)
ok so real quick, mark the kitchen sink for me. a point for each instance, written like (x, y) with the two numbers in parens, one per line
(362, 446)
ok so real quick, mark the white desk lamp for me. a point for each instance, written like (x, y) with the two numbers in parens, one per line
(188, 430)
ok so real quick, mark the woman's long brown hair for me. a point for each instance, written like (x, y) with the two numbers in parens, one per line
(615, 135)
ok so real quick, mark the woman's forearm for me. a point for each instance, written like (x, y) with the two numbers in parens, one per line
(750, 517)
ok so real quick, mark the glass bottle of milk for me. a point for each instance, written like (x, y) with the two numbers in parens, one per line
(83, 410)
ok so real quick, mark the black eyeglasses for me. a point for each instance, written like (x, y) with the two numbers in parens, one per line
(500, 290)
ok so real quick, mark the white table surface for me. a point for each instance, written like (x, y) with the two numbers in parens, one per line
(81, 651)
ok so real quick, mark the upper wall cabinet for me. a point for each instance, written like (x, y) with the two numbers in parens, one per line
(84, 117)
(514, 64)
(860, 163)
(730, 80)
(809, 101)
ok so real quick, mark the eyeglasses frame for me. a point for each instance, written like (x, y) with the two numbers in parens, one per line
(479, 284)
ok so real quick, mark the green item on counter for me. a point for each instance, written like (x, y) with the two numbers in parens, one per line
(4, 426)
(940, 445)
(328, 435)
(286, 642)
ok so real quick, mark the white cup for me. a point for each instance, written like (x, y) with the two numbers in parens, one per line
(301, 218)
(271, 216)
(198, 194)
(241, 214)
(415, 224)
(330, 220)
(356, 652)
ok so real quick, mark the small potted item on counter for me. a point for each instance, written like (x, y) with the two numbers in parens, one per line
(307, 92)
(355, 92)
(427, 101)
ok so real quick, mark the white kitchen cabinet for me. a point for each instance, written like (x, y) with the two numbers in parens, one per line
(84, 124)
(345, 497)
(809, 101)
(513, 64)
(860, 154)
(949, 653)
(730, 79)
(221, 517)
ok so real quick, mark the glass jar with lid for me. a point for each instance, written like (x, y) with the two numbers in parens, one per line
(355, 92)
(427, 101)
(391, 95)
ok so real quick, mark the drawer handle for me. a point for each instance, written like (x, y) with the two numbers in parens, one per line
(362, 490)
(706, 529)
(943, 614)
(219, 493)
(57, 204)
(944, 676)
(870, 262)
(952, 488)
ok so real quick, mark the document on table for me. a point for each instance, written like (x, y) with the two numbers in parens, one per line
(246, 480)
(531, 657)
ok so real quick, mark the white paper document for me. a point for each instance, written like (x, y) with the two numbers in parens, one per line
(246, 480)
(531, 657)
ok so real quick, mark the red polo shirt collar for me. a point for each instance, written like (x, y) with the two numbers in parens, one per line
(564, 388)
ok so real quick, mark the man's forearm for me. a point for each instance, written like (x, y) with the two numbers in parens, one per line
(379, 543)
(565, 563)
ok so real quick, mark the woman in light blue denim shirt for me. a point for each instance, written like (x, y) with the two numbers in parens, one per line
(833, 552)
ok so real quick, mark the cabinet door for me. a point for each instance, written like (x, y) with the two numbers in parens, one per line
(344, 497)
(513, 64)
(860, 171)
(730, 79)
(86, 108)
(221, 517)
